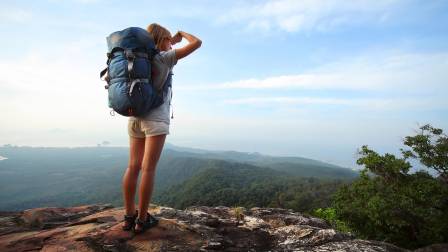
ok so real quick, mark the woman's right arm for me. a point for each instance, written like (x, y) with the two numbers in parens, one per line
(193, 44)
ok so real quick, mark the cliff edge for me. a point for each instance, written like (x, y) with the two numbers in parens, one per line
(197, 228)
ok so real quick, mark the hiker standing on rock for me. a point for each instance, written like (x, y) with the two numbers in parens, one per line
(147, 133)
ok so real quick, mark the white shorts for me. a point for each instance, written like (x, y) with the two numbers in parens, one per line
(141, 128)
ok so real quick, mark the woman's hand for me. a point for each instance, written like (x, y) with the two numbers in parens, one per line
(176, 38)
(193, 44)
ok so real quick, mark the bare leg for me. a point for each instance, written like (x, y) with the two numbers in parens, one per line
(153, 149)
(136, 151)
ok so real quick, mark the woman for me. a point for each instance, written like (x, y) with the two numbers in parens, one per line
(147, 133)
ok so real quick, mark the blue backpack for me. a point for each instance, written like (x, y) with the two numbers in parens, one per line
(128, 73)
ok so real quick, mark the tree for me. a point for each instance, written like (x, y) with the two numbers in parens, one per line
(390, 204)
(430, 147)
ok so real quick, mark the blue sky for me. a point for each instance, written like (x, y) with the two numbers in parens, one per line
(316, 79)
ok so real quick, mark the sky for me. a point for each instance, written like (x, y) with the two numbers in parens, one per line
(309, 78)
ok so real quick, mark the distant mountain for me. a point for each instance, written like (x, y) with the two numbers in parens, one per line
(33, 177)
(296, 166)
(249, 157)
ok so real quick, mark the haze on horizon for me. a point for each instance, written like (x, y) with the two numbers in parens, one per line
(315, 79)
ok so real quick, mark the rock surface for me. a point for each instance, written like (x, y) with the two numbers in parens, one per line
(197, 228)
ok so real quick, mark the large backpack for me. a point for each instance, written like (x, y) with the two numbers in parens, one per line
(128, 73)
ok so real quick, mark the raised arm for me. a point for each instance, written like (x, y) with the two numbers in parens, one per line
(193, 44)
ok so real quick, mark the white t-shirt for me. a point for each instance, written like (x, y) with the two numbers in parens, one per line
(161, 66)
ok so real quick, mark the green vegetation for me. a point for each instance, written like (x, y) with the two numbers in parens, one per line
(235, 184)
(39, 177)
(329, 214)
(388, 203)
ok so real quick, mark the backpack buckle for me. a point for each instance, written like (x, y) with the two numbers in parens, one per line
(129, 54)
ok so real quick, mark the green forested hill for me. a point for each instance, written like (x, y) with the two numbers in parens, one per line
(173, 170)
(238, 184)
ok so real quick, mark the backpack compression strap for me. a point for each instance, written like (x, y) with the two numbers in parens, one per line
(130, 56)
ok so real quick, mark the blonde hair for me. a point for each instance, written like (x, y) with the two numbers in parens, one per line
(158, 33)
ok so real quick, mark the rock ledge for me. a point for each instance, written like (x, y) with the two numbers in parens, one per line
(197, 228)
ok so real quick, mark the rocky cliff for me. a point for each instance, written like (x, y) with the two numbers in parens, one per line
(197, 228)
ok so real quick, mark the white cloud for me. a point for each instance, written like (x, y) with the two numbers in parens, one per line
(87, 1)
(310, 81)
(288, 100)
(77, 1)
(293, 15)
(357, 103)
(14, 15)
(376, 82)
(394, 71)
